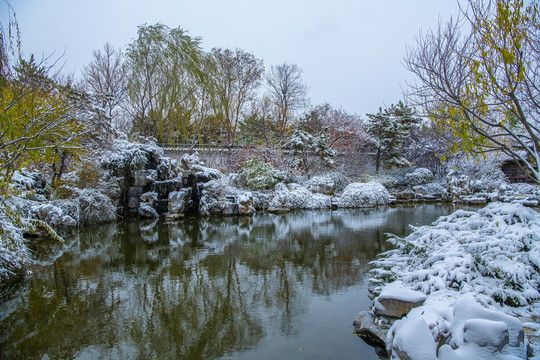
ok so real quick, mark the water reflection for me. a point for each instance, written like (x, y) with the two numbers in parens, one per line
(196, 289)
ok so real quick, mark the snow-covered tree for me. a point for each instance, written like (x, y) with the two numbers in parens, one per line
(105, 76)
(389, 128)
(344, 132)
(306, 148)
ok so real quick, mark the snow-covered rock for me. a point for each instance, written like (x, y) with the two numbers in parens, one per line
(363, 195)
(490, 256)
(147, 211)
(245, 204)
(179, 201)
(396, 300)
(459, 328)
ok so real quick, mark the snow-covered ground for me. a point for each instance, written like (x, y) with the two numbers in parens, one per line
(480, 271)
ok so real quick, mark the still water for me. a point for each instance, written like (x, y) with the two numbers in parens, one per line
(268, 287)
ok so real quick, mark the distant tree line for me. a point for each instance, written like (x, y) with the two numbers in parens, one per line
(164, 85)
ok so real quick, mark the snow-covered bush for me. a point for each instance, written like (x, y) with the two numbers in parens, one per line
(95, 207)
(467, 176)
(52, 215)
(260, 175)
(13, 251)
(25, 180)
(388, 181)
(494, 252)
(363, 195)
(419, 176)
(295, 196)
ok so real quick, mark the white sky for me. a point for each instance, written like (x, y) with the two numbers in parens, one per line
(351, 51)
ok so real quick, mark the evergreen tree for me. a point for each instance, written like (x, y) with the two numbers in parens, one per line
(389, 128)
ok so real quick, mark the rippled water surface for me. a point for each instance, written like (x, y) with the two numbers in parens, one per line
(267, 287)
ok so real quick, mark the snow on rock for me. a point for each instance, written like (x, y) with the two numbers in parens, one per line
(126, 154)
(245, 204)
(363, 195)
(147, 211)
(295, 196)
(178, 201)
(412, 340)
(459, 328)
(396, 300)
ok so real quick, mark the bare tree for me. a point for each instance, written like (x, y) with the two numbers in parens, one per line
(484, 85)
(288, 93)
(235, 78)
(105, 75)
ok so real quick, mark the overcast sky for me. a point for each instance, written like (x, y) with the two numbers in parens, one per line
(351, 51)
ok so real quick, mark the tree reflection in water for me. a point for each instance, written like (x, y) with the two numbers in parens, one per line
(195, 289)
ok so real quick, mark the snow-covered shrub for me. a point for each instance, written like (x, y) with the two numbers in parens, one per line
(522, 188)
(419, 176)
(260, 175)
(388, 181)
(295, 196)
(52, 215)
(363, 195)
(95, 207)
(25, 180)
(13, 252)
(494, 252)
(467, 176)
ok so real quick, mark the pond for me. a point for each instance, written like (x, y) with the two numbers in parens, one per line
(268, 287)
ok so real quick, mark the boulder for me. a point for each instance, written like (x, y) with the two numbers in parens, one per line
(396, 301)
(179, 201)
(230, 208)
(484, 332)
(141, 177)
(148, 212)
(164, 188)
(149, 197)
(245, 204)
(167, 169)
(405, 195)
(365, 328)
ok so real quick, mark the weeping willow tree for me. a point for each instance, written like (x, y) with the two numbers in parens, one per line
(163, 70)
(479, 77)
